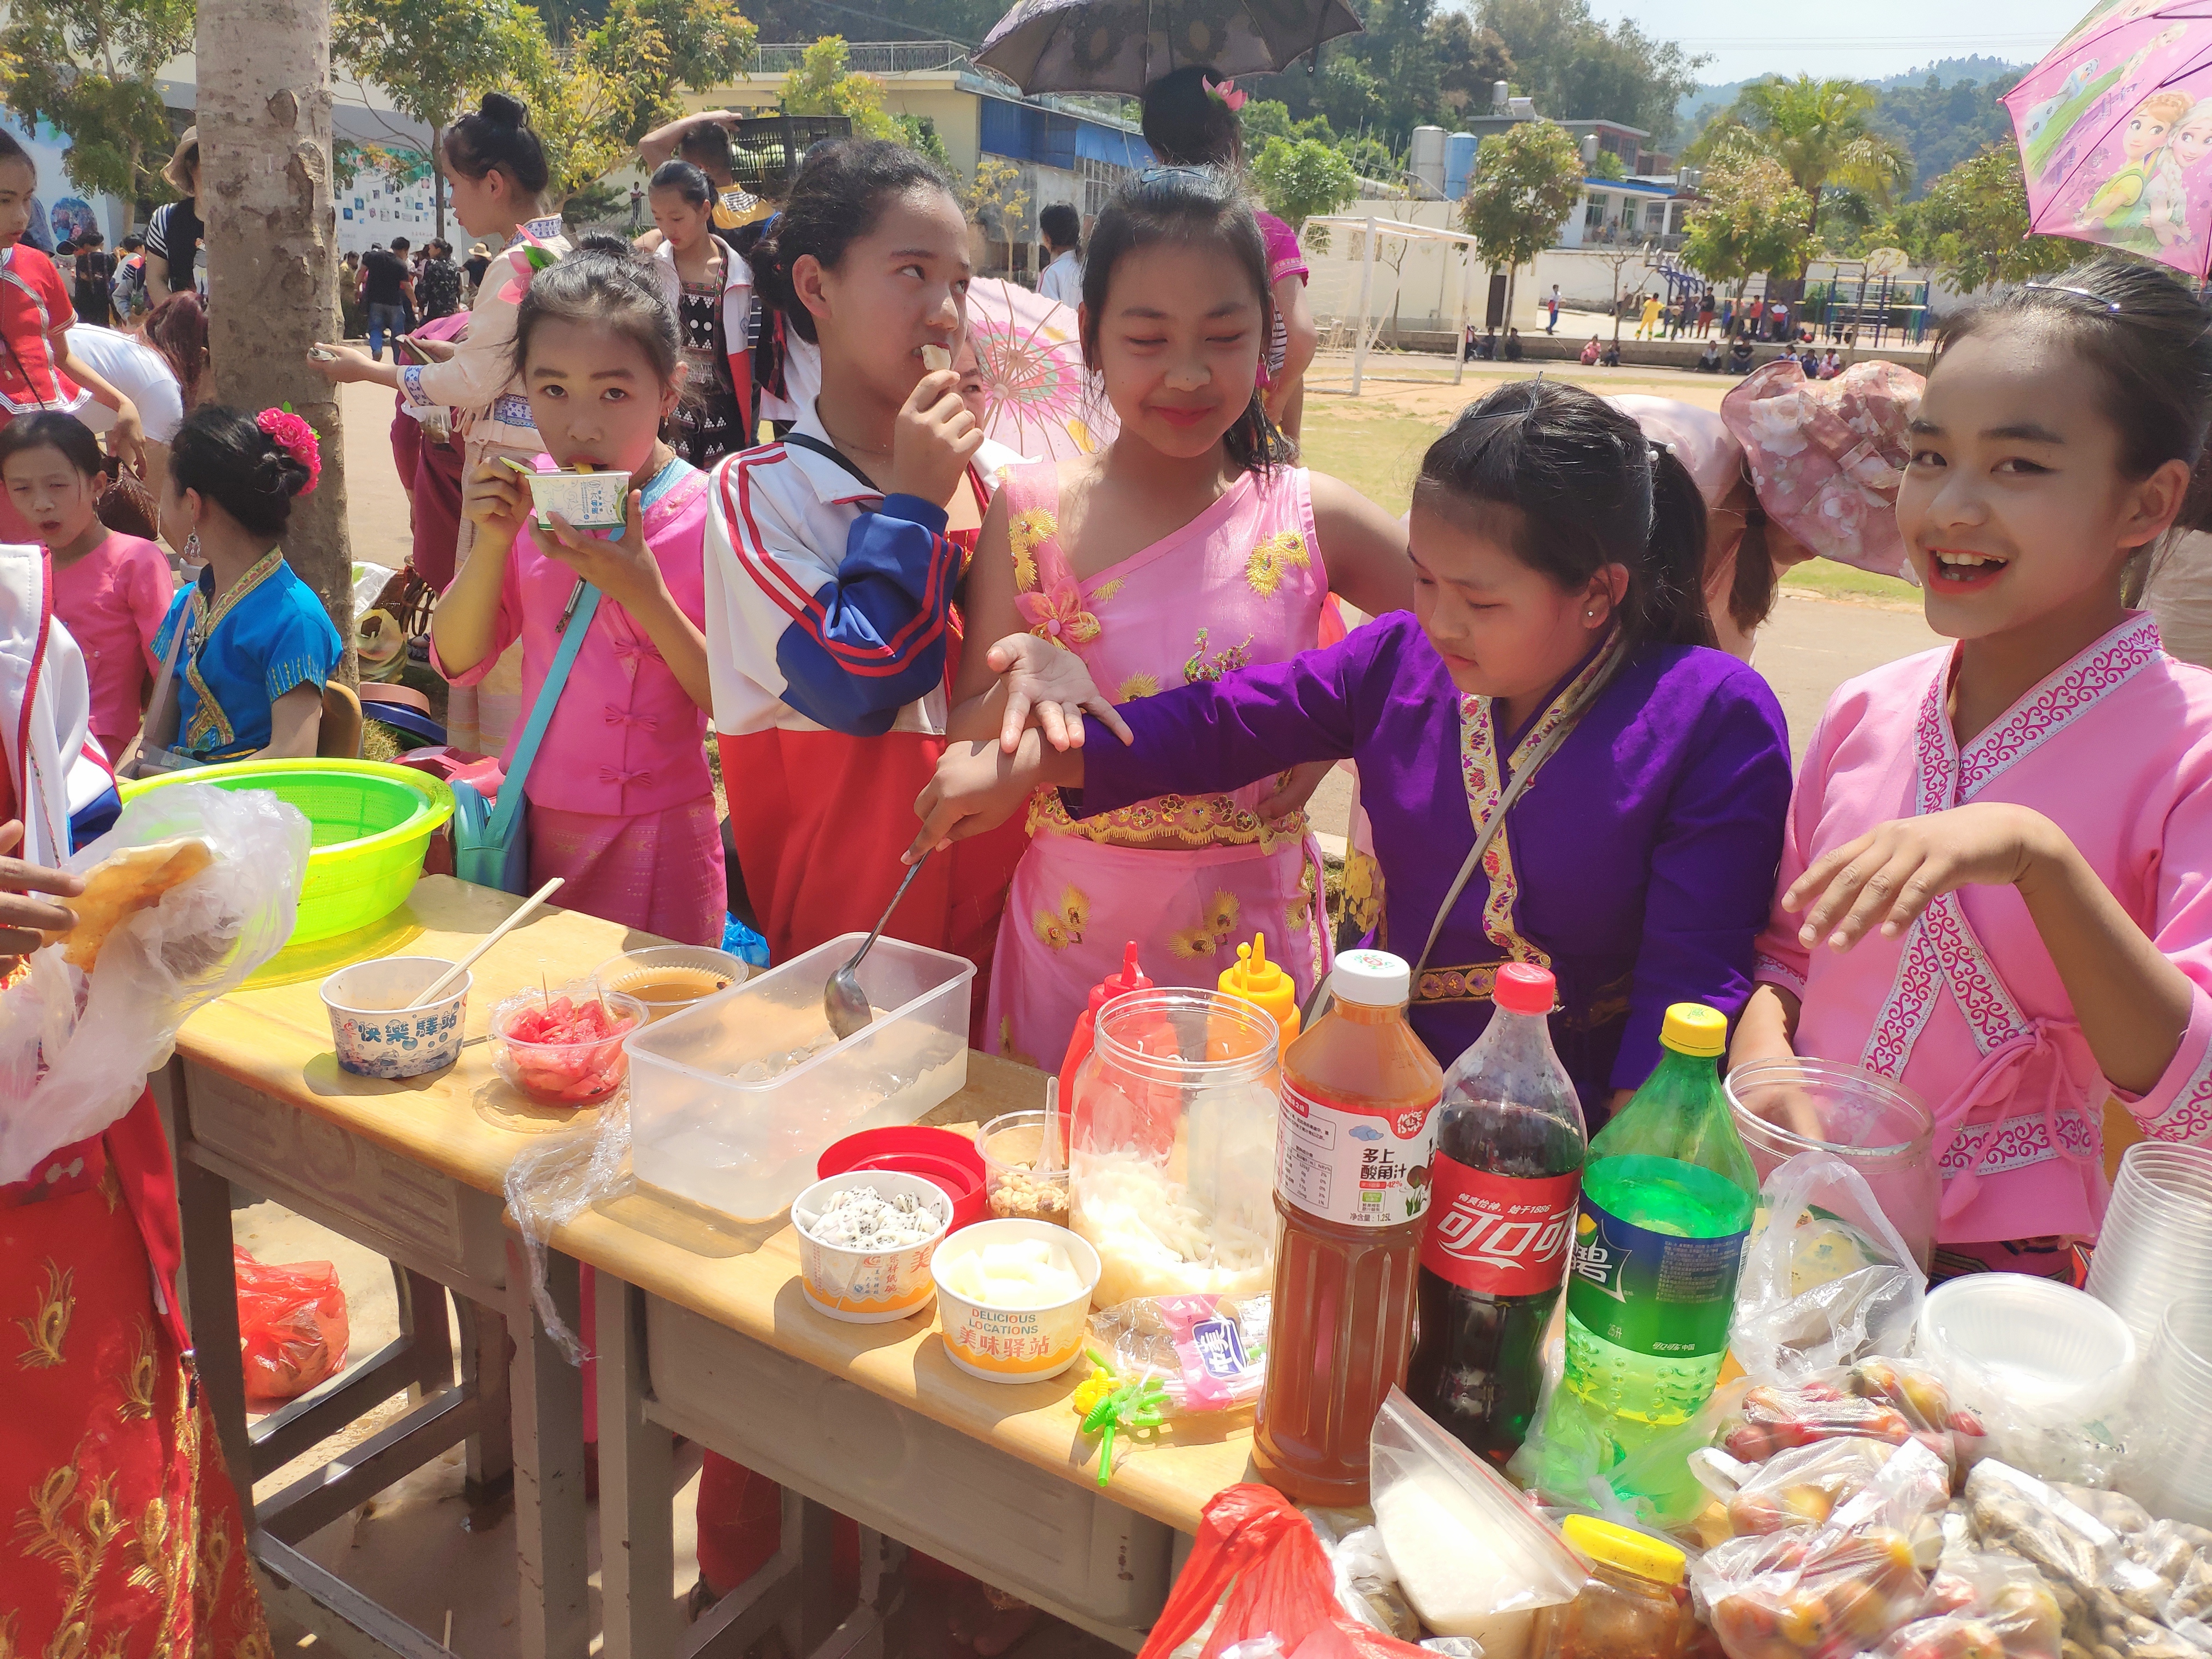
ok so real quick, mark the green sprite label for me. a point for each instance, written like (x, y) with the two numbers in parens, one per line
(1652, 1293)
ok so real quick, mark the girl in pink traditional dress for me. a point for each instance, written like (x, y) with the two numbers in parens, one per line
(1191, 546)
(619, 800)
(1994, 885)
(1191, 120)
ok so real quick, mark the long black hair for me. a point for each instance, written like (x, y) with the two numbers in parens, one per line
(1186, 124)
(51, 429)
(1571, 485)
(837, 199)
(605, 283)
(1188, 205)
(689, 183)
(498, 134)
(225, 455)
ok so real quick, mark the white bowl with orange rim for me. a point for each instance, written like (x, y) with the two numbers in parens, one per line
(867, 1284)
(1013, 1298)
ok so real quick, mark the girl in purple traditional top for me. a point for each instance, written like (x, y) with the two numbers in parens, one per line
(1191, 120)
(1558, 624)
(1997, 883)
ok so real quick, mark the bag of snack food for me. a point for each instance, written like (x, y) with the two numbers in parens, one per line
(1983, 1607)
(1886, 1400)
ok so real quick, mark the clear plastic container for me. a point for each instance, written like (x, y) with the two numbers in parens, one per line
(1171, 1145)
(669, 978)
(733, 1099)
(1882, 1129)
(1024, 1168)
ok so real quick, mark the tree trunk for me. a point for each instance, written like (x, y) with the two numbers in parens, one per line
(264, 129)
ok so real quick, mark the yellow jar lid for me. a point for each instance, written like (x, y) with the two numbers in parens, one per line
(1690, 1028)
(1623, 1547)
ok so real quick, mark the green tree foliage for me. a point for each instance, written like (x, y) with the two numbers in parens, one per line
(1526, 182)
(1972, 225)
(1578, 69)
(651, 48)
(1822, 133)
(1754, 218)
(1941, 125)
(1263, 118)
(919, 132)
(87, 68)
(1416, 64)
(1371, 158)
(825, 85)
(1608, 166)
(1301, 178)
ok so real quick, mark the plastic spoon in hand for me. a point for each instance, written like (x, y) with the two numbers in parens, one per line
(438, 986)
(844, 1003)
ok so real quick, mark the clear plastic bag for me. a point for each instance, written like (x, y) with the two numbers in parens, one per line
(1471, 1555)
(1987, 1606)
(1826, 1279)
(1825, 1483)
(553, 1182)
(75, 1048)
(1876, 1398)
(1209, 1352)
(1839, 1586)
(1367, 1584)
(292, 1326)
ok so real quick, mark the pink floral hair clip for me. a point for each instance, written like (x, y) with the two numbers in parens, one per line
(296, 439)
(1225, 92)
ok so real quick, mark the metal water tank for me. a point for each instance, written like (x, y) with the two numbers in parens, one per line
(1427, 161)
(1459, 161)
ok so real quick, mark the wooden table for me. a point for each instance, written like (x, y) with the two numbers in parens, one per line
(702, 1329)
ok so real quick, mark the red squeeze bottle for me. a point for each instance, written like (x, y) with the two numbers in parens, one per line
(1131, 978)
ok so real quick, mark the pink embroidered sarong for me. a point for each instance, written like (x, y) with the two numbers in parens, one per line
(1242, 583)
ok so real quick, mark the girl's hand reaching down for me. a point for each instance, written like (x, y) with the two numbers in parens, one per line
(1886, 878)
(1055, 683)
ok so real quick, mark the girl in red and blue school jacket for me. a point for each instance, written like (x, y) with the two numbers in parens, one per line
(834, 560)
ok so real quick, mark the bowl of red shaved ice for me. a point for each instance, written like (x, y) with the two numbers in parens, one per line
(564, 1047)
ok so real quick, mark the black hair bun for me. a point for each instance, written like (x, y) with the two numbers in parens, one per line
(503, 110)
(607, 245)
(276, 473)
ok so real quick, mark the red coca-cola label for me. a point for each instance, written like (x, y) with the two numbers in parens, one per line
(1498, 1235)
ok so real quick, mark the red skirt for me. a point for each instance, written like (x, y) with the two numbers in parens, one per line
(120, 1532)
(820, 818)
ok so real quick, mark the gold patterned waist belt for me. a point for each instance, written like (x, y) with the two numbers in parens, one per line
(1478, 982)
(1190, 820)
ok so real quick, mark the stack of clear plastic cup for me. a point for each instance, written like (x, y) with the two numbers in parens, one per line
(2169, 1468)
(2155, 1247)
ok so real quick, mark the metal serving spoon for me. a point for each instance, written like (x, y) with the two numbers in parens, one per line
(844, 1003)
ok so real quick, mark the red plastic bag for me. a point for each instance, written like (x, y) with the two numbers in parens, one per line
(1257, 1558)
(292, 1327)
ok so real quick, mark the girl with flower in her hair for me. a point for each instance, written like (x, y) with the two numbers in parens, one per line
(1995, 886)
(259, 644)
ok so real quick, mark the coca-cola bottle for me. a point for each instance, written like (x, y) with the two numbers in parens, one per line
(1508, 1166)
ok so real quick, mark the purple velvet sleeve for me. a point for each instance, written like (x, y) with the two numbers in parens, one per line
(1217, 736)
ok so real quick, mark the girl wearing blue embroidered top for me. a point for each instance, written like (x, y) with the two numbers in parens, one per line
(619, 800)
(259, 644)
(498, 172)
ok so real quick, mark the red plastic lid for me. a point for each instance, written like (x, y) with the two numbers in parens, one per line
(936, 1155)
(1525, 988)
(1131, 978)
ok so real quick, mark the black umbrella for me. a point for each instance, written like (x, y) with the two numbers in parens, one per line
(1123, 46)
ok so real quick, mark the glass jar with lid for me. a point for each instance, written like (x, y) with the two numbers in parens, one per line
(1171, 1145)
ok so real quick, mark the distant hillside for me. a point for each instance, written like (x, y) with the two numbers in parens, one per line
(1942, 112)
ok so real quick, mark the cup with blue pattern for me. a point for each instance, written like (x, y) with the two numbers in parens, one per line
(374, 1031)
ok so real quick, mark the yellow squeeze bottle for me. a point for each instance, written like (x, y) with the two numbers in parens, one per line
(1265, 986)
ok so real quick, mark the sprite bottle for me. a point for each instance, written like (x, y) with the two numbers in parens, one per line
(1667, 1196)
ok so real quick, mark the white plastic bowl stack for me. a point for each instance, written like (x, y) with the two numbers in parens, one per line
(2155, 1247)
(2170, 1456)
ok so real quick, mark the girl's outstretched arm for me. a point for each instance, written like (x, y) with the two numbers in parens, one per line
(2134, 1004)
(1363, 547)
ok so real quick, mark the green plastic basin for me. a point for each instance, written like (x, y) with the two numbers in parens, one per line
(370, 823)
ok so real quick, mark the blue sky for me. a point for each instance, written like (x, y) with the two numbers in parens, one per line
(1863, 39)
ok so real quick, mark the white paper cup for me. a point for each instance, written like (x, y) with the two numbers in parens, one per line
(589, 501)
(1014, 1344)
(377, 1035)
(864, 1286)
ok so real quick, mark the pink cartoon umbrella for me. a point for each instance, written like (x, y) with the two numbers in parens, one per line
(1039, 397)
(2114, 126)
